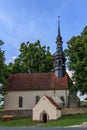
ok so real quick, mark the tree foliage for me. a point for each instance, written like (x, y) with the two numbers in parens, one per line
(76, 53)
(33, 58)
(3, 70)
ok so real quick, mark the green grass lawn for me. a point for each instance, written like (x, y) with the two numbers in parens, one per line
(68, 120)
(61, 122)
(17, 122)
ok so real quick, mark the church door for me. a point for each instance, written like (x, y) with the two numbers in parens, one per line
(44, 117)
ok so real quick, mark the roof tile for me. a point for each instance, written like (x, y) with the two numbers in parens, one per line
(53, 102)
(37, 81)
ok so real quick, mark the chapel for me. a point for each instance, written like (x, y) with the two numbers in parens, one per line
(42, 94)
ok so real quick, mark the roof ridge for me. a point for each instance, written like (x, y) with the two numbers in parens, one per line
(36, 81)
(52, 101)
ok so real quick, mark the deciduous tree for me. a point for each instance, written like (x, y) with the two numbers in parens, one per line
(3, 70)
(76, 53)
(33, 58)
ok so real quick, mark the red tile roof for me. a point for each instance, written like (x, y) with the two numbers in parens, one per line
(52, 101)
(37, 81)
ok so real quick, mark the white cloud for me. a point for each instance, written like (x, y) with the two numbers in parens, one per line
(11, 59)
(70, 73)
(14, 57)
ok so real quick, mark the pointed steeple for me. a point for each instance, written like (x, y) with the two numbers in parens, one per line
(59, 38)
(59, 26)
(59, 55)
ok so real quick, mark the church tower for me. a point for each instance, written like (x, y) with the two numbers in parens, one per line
(59, 59)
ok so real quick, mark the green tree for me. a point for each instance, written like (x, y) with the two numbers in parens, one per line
(3, 70)
(76, 53)
(33, 58)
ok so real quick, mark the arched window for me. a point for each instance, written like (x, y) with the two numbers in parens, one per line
(20, 101)
(59, 62)
(62, 98)
(37, 99)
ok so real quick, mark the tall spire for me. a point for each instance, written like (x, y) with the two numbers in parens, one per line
(59, 60)
(59, 38)
(59, 26)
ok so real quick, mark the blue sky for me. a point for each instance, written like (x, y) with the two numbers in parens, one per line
(32, 20)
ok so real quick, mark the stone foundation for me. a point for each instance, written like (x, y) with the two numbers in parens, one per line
(17, 113)
(28, 113)
(68, 111)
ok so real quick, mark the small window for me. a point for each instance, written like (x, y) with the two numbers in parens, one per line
(59, 62)
(37, 99)
(20, 101)
(62, 98)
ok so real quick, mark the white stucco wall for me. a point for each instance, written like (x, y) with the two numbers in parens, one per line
(58, 113)
(12, 98)
(56, 98)
(45, 105)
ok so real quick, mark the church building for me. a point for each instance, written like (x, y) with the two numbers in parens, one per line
(43, 94)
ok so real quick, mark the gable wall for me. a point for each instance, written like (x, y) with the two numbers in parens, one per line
(12, 98)
(44, 105)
